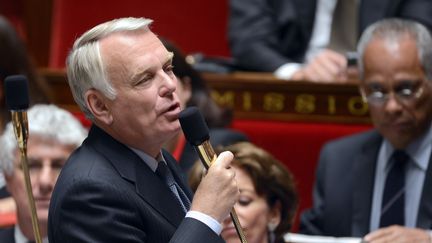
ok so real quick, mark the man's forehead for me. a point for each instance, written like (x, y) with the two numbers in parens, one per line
(127, 37)
(123, 46)
(392, 43)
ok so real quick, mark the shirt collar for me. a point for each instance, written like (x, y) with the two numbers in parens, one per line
(149, 160)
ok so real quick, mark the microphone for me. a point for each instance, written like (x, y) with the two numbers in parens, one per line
(17, 101)
(197, 134)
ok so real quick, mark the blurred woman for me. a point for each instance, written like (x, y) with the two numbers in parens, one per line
(268, 198)
(14, 60)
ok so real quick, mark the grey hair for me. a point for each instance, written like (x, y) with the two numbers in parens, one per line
(85, 67)
(46, 122)
(394, 29)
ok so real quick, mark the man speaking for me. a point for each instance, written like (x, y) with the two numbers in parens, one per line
(119, 186)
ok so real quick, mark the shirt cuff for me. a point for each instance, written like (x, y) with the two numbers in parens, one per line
(287, 70)
(207, 220)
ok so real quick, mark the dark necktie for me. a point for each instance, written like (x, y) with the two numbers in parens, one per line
(165, 174)
(393, 201)
(343, 35)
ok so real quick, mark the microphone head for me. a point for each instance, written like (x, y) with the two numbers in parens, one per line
(16, 92)
(194, 126)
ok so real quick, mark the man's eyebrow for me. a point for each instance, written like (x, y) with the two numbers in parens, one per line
(138, 75)
(169, 58)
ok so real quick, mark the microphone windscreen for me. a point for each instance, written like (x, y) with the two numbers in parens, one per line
(194, 126)
(16, 92)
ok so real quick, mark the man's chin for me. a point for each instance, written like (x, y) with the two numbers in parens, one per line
(42, 214)
(174, 128)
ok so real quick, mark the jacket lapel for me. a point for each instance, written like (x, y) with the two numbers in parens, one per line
(131, 168)
(424, 216)
(364, 174)
(157, 194)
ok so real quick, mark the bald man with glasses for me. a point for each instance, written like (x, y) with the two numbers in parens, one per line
(378, 184)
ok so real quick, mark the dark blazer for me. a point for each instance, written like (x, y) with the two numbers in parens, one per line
(344, 188)
(7, 235)
(265, 34)
(218, 137)
(106, 193)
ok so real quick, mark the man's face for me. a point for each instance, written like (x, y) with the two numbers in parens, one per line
(45, 160)
(146, 108)
(393, 68)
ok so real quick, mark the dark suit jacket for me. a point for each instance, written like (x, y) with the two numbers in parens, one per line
(7, 235)
(265, 34)
(344, 188)
(106, 193)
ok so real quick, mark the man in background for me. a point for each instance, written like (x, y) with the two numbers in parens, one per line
(308, 39)
(378, 184)
(120, 186)
(53, 134)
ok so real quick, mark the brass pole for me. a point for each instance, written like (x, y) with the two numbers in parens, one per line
(21, 133)
(208, 156)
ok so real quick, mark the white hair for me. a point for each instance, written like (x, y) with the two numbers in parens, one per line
(46, 122)
(394, 29)
(85, 68)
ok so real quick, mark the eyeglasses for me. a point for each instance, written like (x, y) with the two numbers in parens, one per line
(405, 92)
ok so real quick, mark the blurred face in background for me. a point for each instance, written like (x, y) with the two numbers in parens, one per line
(253, 212)
(45, 160)
(397, 90)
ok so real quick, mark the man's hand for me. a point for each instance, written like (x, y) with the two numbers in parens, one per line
(327, 67)
(397, 234)
(218, 191)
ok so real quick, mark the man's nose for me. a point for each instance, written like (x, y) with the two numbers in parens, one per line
(169, 84)
(393, 105)
(46, 179)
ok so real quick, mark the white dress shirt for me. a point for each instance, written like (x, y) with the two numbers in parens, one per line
(319, 40)
(20, 237)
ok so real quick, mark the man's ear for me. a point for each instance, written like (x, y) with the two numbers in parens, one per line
(97, 104)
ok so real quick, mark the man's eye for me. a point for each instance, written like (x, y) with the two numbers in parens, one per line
(58, 164)
(144, 80)
(406, 88)
(377, 94)
(169, 69)
(405, 92)
(34, 165)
